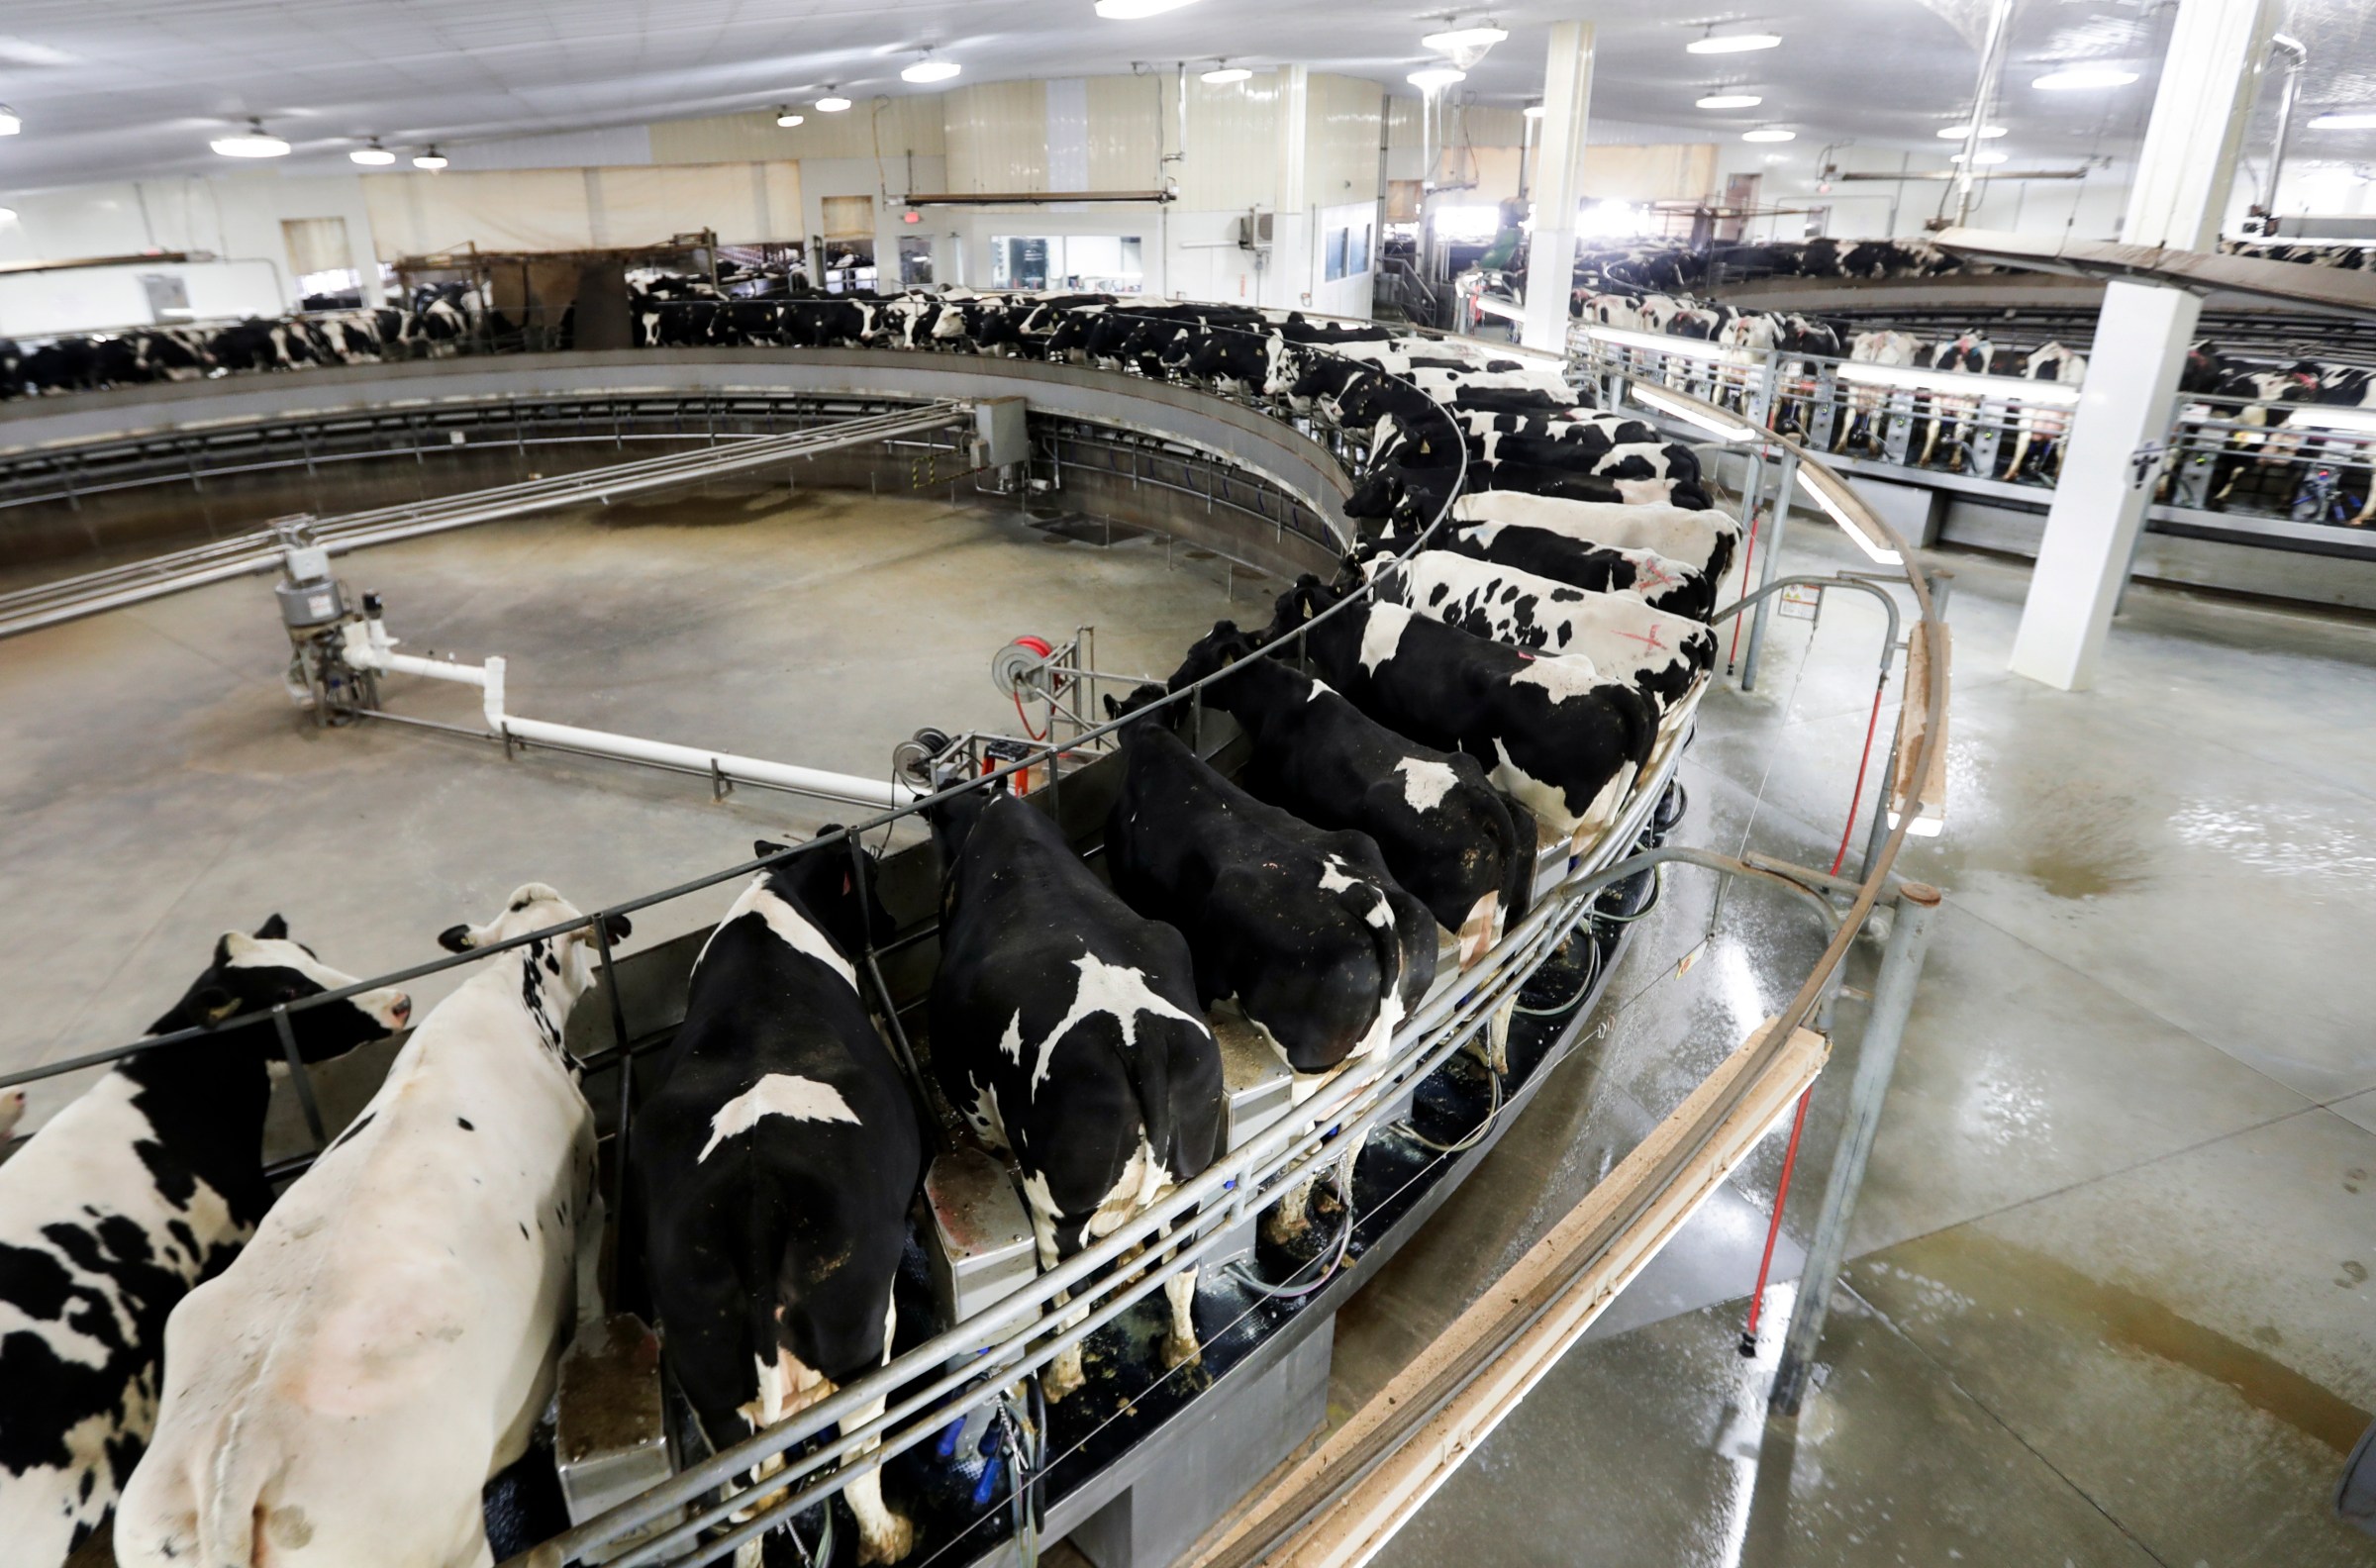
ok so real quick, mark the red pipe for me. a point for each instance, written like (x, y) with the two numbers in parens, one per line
(1871, 726)
(1747, 554)
(1773, 1226)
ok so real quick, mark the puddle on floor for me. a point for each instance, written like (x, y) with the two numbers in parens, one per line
(1982, 1271)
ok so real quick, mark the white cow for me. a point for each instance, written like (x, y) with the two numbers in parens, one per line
(387, 1341)
(1700, 539)
(1623, 638)
(12, 1111)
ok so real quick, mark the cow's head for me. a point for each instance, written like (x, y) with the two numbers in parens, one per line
(567, 959)
(1141, 699)
(822, 884)
(1213, 652)
(256, 973)
(1299, 604)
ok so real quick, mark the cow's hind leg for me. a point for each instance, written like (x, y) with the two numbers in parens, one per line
(1180, 1347)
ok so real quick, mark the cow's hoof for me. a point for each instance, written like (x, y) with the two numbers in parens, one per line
(889, 1544)
(1181, 1350)
(1281, 1231)
(1060, 1381)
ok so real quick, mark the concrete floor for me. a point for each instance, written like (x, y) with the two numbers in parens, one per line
(157, 787)
(2109, 1297)
(2108, 1300)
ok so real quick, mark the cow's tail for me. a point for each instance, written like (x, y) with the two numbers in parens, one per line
(1518, 861)
(1640, 717)
(1367, 903)
(762, 1243)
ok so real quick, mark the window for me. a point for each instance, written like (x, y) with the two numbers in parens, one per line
(319, 258)
(849, 217)
(1093, 263)
(1356, 259)
(1336, 246)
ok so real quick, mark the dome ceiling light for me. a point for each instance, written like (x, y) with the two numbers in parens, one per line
(833, 102)
(1769, 133)
(929, 69)
(787, 118)
(1137, 9)
(1729, 101)
(1466, 44)
(1223, 74)
(10, 125)
(2077, 78)
(1435, 78)
(254, 143)
(1732, 42)
(430, 158)
(372, 157)
(1956, 133)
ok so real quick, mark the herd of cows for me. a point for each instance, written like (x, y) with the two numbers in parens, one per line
(332, 1375)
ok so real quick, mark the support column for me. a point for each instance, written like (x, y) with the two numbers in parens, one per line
(1558, 186)
(2184, 173)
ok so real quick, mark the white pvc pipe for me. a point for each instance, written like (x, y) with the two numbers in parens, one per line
(374, 650)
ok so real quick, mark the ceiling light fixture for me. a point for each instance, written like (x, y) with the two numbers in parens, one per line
(929, 69)
(1453, 39)
(1436, 77)
(787, 118)
(254, 143)
(2074, 79)
(2344, 120)
(7, 215)
(1730, 101)
(1732, 43)
(1223, 74)
(1137, 9)
(373, 156)
(833, 102)
(10, 125)
(1845, 510)
(430, 158)
(1985, 158)
(1769, 133)
(1533, 111)
(1956, 133)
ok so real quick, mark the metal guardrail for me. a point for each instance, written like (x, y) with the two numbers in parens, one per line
(259, 550)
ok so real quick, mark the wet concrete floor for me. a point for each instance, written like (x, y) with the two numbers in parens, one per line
(2108, 1300)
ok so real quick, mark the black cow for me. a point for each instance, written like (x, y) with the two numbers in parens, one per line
(1562, 739)
(1064, 1027)
(776, 1158)
(1463, 849)
(1323, 953)
(147, 1183)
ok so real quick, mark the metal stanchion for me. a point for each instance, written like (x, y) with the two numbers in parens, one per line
(1877, 1058)
(1786, 476)
(297, 1076)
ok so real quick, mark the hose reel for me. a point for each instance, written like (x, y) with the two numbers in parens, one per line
(1020, 669)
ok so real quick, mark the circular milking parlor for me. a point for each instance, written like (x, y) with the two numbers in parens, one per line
(377, 531)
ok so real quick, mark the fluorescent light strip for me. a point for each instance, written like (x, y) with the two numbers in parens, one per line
(1655, 343)
(1951, 384)
(1673, 407)
(1839, 508)
(2359, 421)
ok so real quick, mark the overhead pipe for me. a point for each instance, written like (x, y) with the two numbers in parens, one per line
(2291, 53)
(1984, 99)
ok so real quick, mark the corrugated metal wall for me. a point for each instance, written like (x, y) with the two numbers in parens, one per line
(894, 126)
(1341, 153)
(995, 137)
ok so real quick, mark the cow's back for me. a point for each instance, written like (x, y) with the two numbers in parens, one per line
(387, 1340)
(102, 1230)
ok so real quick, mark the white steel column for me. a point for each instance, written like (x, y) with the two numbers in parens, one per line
(1558, 186)
(2183, 176)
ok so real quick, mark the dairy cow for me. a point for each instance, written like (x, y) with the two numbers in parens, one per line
(147, 1183)
(775, 1158)
(1064, 1027)
(1466, 852)
(1701, 540)
(342, 1393)
(1305, 930)
(1661, 654)
(1580, 563)
(1559, 738)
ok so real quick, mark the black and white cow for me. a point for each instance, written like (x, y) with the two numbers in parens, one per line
(1700, 539)
(1580, 563)
(777, 1157)
(1938, 414)
(1323, 952)
(1623, 638)
(1064, 1027)
(387, 1341)
(1465, 851)
(2039, 442)
(147, 1183)
(1864, 400)
(1562, 739)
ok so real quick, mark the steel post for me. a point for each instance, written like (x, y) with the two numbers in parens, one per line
(303, 1085)
(1787, 475)
(1876, 1060)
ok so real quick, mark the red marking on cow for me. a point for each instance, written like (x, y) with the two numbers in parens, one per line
(1653, 574)
(1649, 639)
